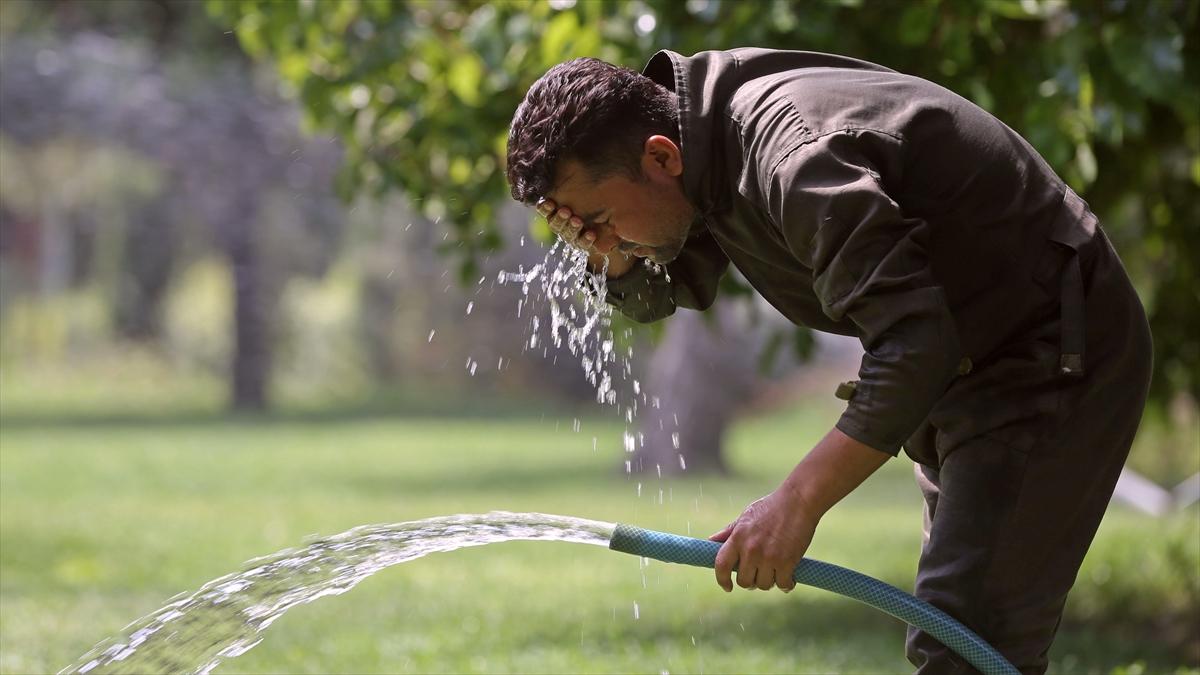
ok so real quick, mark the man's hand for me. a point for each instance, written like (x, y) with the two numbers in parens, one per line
(766, 542)
(572, 230)
(566, 225)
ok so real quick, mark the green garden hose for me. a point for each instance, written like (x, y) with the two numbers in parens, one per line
(884, 597)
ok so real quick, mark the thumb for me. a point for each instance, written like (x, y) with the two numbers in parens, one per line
(724, 533)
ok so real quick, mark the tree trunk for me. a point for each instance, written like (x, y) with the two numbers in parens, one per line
(252, 320)
(378, 298)
(145, 271)
(703, 371)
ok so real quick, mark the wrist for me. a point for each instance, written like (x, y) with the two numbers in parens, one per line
(803, 497)
(833, 469)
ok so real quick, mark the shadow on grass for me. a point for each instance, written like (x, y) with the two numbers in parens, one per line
(506, 480)
(381, 406)
(858, 636)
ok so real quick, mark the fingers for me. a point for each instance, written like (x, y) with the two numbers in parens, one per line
(784, 579)
(751, 574)
(564, 223)
(746, 576)
(764, 579)
(726, 561)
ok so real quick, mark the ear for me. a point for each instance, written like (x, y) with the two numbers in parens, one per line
(661, 156)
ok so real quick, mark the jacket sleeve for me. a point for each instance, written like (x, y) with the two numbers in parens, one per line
(869, 264)
(646, 293)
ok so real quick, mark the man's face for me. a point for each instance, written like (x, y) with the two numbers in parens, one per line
(647, 218)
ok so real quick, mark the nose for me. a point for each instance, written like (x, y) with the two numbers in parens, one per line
(606, 241)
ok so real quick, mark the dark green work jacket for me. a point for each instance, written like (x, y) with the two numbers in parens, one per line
(861, 201)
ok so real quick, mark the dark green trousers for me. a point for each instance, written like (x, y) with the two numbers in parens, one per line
(1018, 463)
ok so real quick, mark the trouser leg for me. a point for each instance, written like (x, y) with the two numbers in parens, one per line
(1009, 526)
(927, 481)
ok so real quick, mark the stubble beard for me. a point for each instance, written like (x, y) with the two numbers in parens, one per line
(681, 225)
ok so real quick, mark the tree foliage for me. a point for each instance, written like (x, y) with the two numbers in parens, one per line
(1109, 93)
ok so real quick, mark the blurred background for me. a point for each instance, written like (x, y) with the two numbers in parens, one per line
(247, 247)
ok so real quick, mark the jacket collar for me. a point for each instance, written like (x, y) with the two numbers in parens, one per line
(696, 82)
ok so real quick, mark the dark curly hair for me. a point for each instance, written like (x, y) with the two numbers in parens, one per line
(590, 111)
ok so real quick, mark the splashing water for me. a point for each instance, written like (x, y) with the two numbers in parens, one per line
(586, 331)
(226, 616)
(581, 321)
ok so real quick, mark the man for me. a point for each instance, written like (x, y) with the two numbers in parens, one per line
(1005, 349)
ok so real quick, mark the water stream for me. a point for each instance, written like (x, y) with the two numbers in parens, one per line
(226, 617)
(562, 302)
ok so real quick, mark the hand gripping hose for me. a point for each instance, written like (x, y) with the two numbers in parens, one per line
(884, 597)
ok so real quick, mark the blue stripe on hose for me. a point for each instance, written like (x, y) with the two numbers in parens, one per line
(884, 597)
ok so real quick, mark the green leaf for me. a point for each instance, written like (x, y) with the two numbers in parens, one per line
(1149, 57)
(557, 35)
(769, 355)
(803, 343)
(916, 24)
(465, 78)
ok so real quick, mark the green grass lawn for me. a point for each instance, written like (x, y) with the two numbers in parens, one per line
(102, 521)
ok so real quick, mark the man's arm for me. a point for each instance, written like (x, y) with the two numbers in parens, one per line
(768, 540)
(870, 265)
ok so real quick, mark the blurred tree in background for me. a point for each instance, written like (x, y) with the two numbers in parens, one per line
(1109, 92)
(148, 159)
(159, 205)
(183, 148)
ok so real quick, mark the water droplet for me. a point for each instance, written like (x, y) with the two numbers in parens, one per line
(431, 334)
(682, 463)
(637, 614)
(470, 306)
(675, 439)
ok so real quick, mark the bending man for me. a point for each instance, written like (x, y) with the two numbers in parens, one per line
(1005, 349)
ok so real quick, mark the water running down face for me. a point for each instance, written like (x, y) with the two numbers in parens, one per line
(647, 217)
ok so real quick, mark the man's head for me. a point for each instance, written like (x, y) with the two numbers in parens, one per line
(604, 141)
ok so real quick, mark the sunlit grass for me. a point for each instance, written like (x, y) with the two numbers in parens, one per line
(104, 521)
